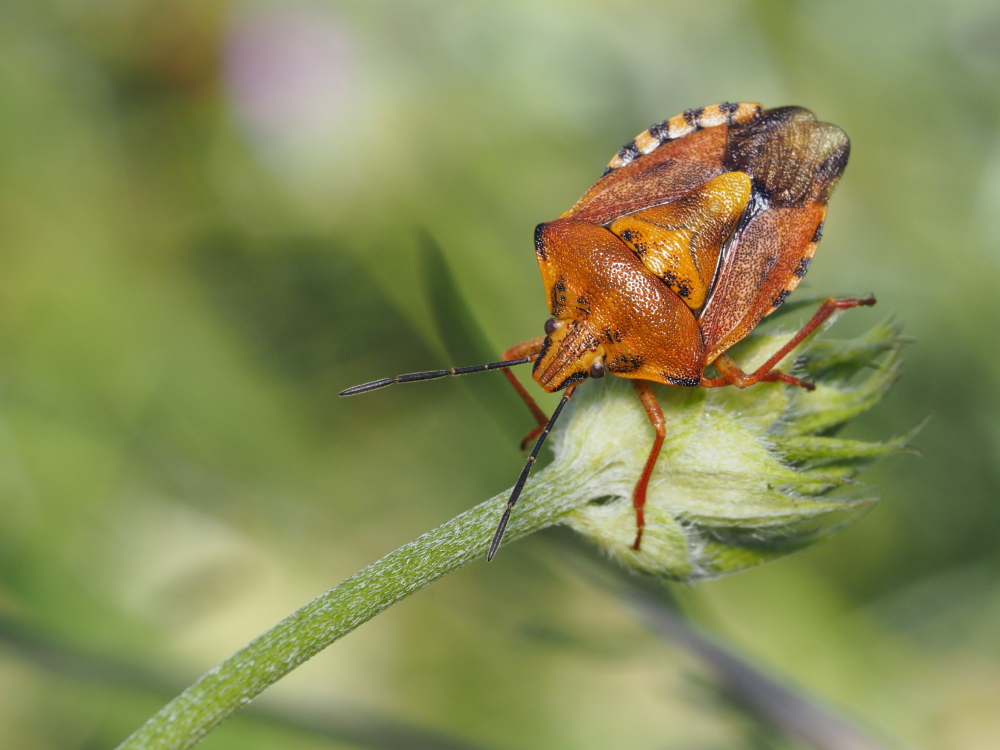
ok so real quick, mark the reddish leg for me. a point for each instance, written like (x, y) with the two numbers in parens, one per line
(652, 406)
(733, 375)
(777, 376)
(524, 349)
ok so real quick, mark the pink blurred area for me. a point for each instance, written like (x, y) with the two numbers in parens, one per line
(291, 74)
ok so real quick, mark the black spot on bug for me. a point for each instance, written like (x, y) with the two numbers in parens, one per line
(780, 299)
(691, 116)
(576, 377)
(540, 242)
(628, 152)
(607, 171)
(818, 234)
(728, 109)
(660, 131)
(682, 381)
(758, 203)
(635, 240)
(802, 267)
(557, 299)
(622, 363)
(761, 192)
(541, 354)
(680, 288)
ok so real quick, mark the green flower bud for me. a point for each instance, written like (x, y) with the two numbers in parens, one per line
(744, 476)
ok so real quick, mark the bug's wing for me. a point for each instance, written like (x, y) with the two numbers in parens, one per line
(664, 175)
(794, 163)
(681, 241)
(664, 162)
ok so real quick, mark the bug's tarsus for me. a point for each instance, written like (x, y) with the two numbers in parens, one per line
(519, 485)
(776, 376)
(413, 377)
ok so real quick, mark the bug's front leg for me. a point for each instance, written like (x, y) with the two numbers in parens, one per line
(733, 375)
(524, 349)
(655, 414)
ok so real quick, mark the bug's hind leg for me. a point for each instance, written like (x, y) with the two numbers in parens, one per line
(733, 375)
(655, 414)
(524, 349)
(777, 376)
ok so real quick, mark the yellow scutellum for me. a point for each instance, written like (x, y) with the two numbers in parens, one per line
(744, 476)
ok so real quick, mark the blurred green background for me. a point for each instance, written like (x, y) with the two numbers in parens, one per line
(210, 221)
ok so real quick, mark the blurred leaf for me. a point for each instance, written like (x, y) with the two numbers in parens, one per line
(466, 344)
(307, 308)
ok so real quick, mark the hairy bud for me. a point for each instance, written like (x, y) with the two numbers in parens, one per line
(744, 476)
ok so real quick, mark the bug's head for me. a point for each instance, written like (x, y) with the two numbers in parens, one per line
(570, 354)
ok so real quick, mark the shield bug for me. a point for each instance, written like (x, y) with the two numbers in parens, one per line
(699, 228)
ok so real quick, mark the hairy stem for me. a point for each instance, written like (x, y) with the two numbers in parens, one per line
(303, 634)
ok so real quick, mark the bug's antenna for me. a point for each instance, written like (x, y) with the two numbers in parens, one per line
(433, 375)
(516, 492)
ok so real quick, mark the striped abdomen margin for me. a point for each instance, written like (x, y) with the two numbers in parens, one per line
(678, 126)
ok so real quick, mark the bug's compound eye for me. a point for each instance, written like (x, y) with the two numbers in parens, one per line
(551, 325)
(597, 369)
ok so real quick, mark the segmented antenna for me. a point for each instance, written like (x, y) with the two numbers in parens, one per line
(433, 375)
(516, 492)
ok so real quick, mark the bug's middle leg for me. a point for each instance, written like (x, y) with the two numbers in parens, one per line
(524, 349)
(655, 414)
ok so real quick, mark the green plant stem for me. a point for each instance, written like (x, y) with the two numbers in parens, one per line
(306, 632)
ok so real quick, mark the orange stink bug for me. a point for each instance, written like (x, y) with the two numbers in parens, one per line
(699, 228)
